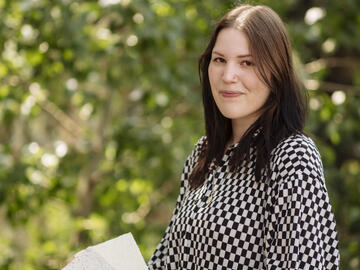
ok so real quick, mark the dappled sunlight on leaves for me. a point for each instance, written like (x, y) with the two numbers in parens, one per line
(100, 104)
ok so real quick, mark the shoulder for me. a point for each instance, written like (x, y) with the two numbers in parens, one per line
(295, 144)
(195, 154)
(191, 161)
(297, 153)
(197, 150)
(200, 143)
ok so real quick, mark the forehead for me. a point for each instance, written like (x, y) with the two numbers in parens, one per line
(232, 42)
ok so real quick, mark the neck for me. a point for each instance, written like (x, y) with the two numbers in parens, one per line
(239, 128)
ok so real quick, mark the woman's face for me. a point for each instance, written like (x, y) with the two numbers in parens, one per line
(237, 90)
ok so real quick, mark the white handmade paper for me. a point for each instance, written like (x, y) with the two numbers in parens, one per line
(120, 253)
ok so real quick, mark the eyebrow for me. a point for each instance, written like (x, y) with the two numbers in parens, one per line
(239, 56)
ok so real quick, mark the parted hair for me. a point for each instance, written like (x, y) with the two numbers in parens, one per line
(283, 114)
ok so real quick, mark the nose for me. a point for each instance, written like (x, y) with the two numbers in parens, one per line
(230, 73)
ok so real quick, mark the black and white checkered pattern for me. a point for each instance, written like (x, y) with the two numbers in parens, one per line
(233, 222)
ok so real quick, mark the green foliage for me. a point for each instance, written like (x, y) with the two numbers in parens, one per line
(100, 104)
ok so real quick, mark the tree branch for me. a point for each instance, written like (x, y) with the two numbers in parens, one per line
(319, 64)
(68, 124)
(332, 87)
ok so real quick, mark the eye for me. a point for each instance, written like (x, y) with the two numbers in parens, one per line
(247, 63)
(219, 60)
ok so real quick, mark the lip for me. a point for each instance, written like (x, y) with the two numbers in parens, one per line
(230, 94)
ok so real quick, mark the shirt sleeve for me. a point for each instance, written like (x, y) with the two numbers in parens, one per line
(301, 229)
(158, 259)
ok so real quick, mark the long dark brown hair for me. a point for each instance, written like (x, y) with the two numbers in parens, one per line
(284, 111)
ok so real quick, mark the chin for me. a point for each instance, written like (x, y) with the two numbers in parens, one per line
(230, 115)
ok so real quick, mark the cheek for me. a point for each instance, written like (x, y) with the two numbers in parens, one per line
(212, 77)
(210, 72)
(256, 85)
(259, 92)
(214, 71)
(263, 95)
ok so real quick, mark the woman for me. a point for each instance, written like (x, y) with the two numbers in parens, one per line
(252, 194)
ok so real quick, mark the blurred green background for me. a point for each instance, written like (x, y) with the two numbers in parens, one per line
(100, 105)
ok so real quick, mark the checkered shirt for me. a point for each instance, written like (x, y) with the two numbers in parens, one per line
(234, 222)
